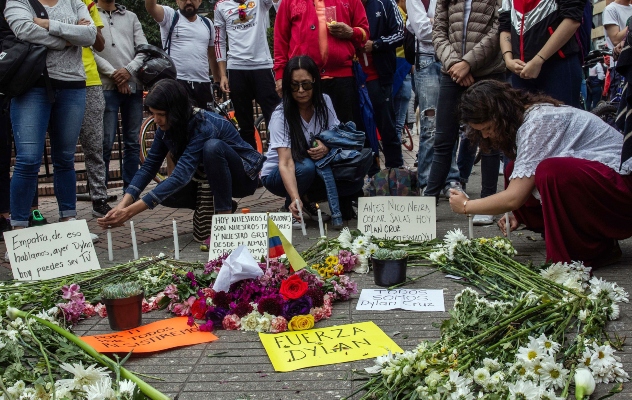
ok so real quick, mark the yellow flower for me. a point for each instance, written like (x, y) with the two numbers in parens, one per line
(301, 322)
(242, 7)
(331, 260)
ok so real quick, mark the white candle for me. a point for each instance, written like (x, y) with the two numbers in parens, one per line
(366, 60)
(320, 222)
(175, 240)
(134, 245)
(470, 222)
(110, 253)
(507, 226)
(300, 214)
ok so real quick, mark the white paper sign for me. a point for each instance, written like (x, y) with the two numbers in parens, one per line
(406, 299)
(398, 218)
(232, 230)
(51, 251)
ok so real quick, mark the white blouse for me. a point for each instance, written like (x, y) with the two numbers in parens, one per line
(564, 131)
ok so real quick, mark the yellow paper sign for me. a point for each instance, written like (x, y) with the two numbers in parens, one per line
(161, 335)
(289, 351)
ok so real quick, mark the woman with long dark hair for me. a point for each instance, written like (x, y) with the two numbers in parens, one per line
(195, 138)
(566, 179)
(290, 169)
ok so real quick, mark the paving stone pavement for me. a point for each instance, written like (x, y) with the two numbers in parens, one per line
(188, 373)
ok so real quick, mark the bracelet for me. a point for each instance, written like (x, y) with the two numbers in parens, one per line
(464, 205)
(543, 59)
(505, 52)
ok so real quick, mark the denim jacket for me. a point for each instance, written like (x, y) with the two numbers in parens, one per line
(205, 126)
(343, 142)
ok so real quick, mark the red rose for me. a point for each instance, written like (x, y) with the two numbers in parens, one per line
(293, 287)
(198, 309)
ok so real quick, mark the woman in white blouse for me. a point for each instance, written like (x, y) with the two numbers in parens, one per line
(566, 181)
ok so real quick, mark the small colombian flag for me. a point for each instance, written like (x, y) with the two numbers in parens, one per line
(279, 245)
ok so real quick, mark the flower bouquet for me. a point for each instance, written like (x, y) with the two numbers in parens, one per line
(275, 302)
(544, 328)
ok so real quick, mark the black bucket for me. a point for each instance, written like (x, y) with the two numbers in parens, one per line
(125, 313)
(389, 272)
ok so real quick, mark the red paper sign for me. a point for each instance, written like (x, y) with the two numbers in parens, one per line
(161, 335)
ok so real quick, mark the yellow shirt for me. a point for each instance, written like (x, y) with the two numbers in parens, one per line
(88, 59)
(400, 50)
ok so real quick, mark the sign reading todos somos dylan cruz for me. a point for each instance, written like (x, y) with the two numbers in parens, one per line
(51, 251)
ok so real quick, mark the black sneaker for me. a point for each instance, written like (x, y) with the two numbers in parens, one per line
(311, 210)
(5, 226)
(37, 219)
(100, 208)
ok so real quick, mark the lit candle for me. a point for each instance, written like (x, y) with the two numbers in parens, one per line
(507, 226)
(134, 245)
(110, 253)
(470, 222)
(175, 240)
(320, 221)
(300, 214)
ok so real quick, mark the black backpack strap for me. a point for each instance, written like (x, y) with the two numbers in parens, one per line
(174, 21)
(40, 12)
(208, 25)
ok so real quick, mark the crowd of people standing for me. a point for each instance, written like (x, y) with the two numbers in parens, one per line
(306, 87)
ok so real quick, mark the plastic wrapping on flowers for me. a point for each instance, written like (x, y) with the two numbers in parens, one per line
(523, 338)
(276, 301)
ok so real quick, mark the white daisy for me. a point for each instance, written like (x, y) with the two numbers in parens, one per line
(126, 387)
(462, 393)
(523, 390)
(531, 353)
(613, 312)
(359, 242)
(557, 272)
(548, 345)
(372, 248)
(491, 364)
(553, 374)
(583, 314)
(455, 237)
(481, 376)
(100, 390)
(82, 376)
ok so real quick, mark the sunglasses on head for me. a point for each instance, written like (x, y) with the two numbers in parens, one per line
(295, 86)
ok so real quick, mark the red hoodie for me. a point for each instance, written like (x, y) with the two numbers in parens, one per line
(300, 29)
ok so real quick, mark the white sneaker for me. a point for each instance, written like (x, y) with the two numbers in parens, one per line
(296, 224)
(480, 220)
(95, 238)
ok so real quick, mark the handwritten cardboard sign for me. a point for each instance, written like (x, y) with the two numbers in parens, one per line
(51, 251)
(232, 230)
(161, 335)
(398, 218)
(406, 299)
(292, 350)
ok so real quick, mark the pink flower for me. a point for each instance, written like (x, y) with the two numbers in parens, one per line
(208, 292)
(89, 310)
(183, 309)
(278, 324)
(171, 291)
(206, 327)
(155, 301)
(231, 322)
(71, 292)
(323, 312)
(101, 310)
(146, 306)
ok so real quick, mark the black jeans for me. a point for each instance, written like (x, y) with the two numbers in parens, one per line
(447, 131)
(382, 101)
(490, 165)
(246, 86)
(344, 97)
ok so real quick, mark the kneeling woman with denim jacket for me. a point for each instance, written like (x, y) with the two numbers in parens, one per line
(290, 170)
(194, 137)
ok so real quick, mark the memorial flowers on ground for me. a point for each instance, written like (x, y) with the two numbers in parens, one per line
(276, 301)
(527, 333)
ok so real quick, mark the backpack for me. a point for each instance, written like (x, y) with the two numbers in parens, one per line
(21, 63)
(174, 21)
(393, 182)
(410, 41)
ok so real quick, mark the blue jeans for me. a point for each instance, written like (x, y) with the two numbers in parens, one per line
(30, 116)
(400, 102)
(427, 91)
(131, 107)
(558, 78)
(226, 174)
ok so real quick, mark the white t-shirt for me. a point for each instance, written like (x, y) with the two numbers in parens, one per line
(615, 14)
(597, 71)
(247, 39)
(280, 137)
(189, 45)
(549, 131)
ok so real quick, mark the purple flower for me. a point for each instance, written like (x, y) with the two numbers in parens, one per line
(72, 293)
(216, 315)
(272, 304)
(242, 308)
(191, 320)
(316, 295)
(206, 327)
(191, 276)
(296, 307)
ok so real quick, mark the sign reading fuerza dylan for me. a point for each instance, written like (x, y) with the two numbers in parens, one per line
(398, 218)
(51, 251)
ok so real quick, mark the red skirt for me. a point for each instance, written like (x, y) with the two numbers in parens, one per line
(585, 207)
